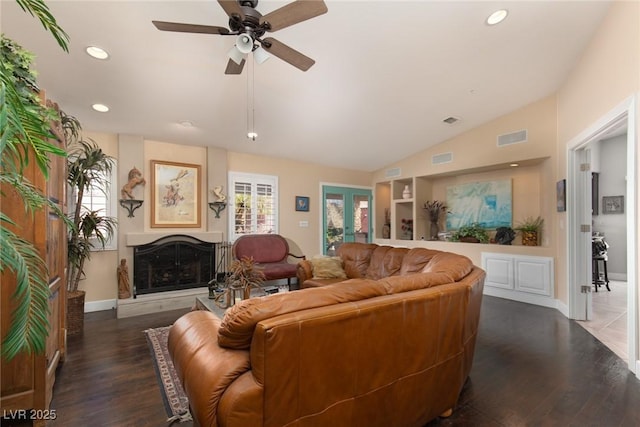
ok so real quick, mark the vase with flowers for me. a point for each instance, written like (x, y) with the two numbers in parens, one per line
(434, 209)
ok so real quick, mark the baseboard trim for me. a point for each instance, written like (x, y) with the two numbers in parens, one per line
(107, 304)
(522, 297)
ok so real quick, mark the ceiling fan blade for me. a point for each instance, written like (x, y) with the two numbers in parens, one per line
(287, 54)
(232, 7)
(233, 68)
(292, 13)
(189, 28)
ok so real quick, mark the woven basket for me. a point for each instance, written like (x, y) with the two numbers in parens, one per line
(75, 312)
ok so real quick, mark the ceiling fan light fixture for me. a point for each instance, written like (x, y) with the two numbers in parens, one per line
(244, 43)
(235, 55)
(252, 136)
(260, 55)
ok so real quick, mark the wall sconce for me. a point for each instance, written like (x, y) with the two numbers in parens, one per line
(131, 205)
(217, 207)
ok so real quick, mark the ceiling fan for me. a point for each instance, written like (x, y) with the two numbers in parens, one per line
(249, 27)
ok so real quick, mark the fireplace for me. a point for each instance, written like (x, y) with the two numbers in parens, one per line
(172, 263)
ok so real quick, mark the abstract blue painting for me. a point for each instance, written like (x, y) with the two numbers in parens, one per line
(487, 203)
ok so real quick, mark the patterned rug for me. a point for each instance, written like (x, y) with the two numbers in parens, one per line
(175, 400)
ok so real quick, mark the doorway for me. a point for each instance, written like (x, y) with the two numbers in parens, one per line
(345, 217)
(579, 220)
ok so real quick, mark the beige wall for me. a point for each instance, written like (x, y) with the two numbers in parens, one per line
(101, 282)
(298, 179)
(606, 75)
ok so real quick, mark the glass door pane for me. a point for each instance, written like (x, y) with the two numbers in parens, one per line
(334, 222)
(345, 217)
(360, 218)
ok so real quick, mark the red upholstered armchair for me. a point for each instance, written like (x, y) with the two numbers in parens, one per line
(270, 252)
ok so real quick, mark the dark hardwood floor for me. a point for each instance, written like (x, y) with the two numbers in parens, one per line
(532, 367)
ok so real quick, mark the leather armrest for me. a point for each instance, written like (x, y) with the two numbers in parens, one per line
(304, 272)
(204, 368)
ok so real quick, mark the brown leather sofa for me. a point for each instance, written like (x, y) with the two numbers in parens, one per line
(371, 350)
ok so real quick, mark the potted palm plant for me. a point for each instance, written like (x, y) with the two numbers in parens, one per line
(88, 168)
(24, 133)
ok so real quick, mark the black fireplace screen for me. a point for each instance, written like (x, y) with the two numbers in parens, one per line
(172, 263)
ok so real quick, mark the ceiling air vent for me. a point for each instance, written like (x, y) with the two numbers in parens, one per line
(450, 120)
(512, 138)
(439, 159)
(392, 173)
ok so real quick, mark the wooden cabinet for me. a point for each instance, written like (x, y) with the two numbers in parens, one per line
(27, 380)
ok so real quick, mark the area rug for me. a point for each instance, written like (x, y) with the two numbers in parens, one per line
(175, 400)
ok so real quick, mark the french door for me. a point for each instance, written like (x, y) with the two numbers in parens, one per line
(345, 216)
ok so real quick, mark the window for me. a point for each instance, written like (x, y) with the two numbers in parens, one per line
(254, 204)
(102, 198)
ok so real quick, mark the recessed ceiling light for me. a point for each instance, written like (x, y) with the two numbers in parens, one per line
(100, 108)
(497, 17)
(514, 165)
(252, 136)
(186, 123)
(97, 52)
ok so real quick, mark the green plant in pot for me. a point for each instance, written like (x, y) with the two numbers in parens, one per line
(531, 229)
(88, 168)
(471, 233)
(24, 139)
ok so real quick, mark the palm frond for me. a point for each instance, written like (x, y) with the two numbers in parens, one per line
(40, 10)
(30, 316)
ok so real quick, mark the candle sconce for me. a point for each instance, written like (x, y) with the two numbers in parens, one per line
(131, 205)
(217, 207)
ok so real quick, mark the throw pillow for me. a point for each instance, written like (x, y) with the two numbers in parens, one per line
(328, 268)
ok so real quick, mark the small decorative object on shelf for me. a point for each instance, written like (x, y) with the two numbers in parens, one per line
(128, 201)
(135, 178)
(407, 228)
(406, 193)
(220, 202)
(434, 209)
(131, 205)
(531, 228)
(504, 235)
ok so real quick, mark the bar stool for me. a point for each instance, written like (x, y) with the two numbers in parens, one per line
(599, 280)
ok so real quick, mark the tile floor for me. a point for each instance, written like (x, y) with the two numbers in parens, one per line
(609, 323)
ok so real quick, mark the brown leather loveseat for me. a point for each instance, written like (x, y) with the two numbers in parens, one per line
(366, 351)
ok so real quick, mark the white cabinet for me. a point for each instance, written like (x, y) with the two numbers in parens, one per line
(522, 278)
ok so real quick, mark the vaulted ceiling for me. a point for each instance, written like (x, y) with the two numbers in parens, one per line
(386, 75)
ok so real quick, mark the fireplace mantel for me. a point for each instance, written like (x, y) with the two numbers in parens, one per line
(137, 239)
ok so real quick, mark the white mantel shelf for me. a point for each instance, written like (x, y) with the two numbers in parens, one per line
(137, 239)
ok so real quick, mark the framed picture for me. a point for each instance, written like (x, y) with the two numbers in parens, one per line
(302, 203)
(561, 195)
(175, 195)
(613, 204)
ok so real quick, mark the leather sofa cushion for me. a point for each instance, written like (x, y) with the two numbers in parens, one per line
(239, 322)
(453, 266)
(385, 261)
(416, 260)
(356, 257)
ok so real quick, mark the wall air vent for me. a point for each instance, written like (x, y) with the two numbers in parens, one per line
(450, 120)
(439, 159)
(512, 138)
(392, 173)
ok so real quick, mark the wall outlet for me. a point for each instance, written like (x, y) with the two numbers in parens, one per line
(303, 224)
